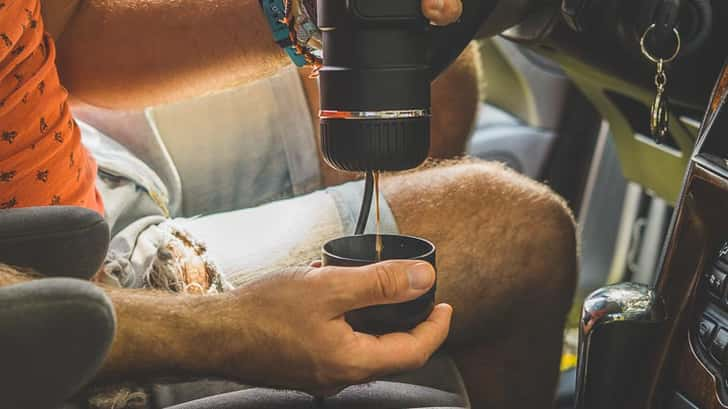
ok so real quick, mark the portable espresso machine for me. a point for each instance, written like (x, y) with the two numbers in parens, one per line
(379, 58)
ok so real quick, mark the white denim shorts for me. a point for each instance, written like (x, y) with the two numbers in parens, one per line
(249, 201)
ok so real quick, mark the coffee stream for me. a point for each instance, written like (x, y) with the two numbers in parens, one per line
(378, 245)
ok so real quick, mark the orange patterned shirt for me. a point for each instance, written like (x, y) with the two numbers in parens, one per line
(42, 160)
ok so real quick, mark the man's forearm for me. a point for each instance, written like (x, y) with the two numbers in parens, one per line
(157, 334)
(287, 330)
(135, 53)
(163, 335)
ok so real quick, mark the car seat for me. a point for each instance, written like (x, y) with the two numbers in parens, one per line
(54, 331)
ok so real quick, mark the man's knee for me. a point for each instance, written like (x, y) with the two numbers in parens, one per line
(537, 225)
(487, 217)
(503, 241)
(558, 237)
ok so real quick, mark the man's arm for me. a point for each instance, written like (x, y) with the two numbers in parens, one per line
(287, 331)
(126, 54)
(135, 53)
(153, 331)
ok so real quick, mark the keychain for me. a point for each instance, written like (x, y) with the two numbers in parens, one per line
(660, 113)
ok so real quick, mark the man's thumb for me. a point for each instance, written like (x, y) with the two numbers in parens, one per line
(389, 282)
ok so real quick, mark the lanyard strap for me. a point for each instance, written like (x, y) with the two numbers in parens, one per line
(275, 13)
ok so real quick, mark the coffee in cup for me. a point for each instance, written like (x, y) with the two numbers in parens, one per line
(357, 251)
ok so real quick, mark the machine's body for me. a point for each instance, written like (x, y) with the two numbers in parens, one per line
(379, 59)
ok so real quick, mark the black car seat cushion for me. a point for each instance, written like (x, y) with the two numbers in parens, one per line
(380, 395)
(54, 241)
(54, 336)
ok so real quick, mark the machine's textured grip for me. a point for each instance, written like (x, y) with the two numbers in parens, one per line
(387, 145)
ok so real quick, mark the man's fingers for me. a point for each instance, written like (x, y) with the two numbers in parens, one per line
(399, 352)
(442, 12)
(390, 282)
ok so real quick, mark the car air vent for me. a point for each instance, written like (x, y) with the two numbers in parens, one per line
(710, 332)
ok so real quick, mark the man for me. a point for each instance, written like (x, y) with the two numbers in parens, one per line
(503, 241)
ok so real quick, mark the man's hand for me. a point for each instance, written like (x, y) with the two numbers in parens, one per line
(442, 12)
(289, 331)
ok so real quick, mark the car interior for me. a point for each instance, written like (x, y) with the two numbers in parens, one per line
(568, 99)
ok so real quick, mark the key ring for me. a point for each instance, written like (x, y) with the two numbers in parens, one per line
(650, 56)
(660, 112)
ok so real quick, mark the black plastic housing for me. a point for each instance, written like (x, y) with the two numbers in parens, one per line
(375, 60)
(381, 56)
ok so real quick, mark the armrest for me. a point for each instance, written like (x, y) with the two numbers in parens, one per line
(54, 336)
(54, 241)
(381, 395)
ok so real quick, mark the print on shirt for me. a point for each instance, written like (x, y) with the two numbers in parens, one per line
(42, 175)
(32, 22)
(6, 40)
(9, 136)
(31, 18)
(9, 204)
(19, 79)
(19, 49)
(7, 176)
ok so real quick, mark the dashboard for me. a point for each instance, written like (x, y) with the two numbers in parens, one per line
(597, 43)
(605, 35)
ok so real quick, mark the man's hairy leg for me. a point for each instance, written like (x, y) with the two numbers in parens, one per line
(507, 262)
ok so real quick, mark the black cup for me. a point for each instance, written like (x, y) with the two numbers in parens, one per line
(357, 251)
